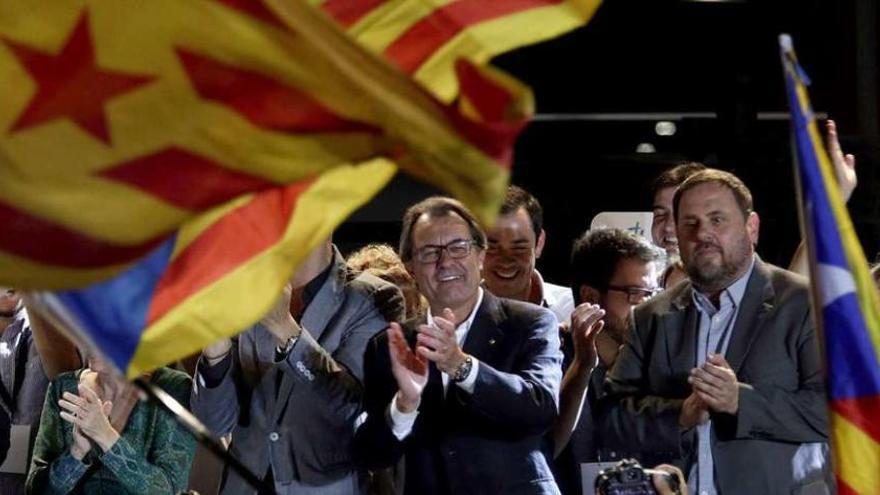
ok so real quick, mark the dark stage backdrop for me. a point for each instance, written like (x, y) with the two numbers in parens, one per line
(710, 68)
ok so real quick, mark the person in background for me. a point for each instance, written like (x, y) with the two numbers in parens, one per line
(514, 245)
(381, 261)
(31, 353)
(289, 389)
(95, 436)
(845, 170)
(663, 227)
(612, 271)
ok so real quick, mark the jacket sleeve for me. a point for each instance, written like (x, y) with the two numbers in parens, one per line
(218, 405)
(772, 412)
(630, 418)
(375, 446)
(335, 381)
(526, 399)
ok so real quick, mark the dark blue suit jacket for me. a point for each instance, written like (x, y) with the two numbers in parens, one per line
(491, 441)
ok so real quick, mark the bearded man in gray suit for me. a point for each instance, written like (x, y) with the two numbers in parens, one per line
(289, 389)
(722, 373)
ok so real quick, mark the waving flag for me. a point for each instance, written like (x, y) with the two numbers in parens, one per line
(849, 308)
(184, 156)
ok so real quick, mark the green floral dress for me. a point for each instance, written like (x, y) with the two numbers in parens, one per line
(152, 456)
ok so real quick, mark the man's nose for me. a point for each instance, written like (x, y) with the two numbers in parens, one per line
(704, 231)
(505, 254)
(444, 258)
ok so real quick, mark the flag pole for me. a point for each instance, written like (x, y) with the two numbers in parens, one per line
(807, 233)
(200, 432)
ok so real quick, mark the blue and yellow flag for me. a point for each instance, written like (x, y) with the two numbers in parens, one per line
(185, 156)
(848, 307)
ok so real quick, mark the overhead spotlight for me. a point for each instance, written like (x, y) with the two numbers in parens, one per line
(645, 148)
(665, 128)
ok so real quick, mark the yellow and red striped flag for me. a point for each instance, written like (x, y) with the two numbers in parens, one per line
(194, 151)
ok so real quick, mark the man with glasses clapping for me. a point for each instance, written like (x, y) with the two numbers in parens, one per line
(612, 271)
(467, 393)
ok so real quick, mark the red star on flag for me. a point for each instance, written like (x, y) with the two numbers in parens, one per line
(71, 85)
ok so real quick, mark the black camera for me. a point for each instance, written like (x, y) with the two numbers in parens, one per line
(629, 478)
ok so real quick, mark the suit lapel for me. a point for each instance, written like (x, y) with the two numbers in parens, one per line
(261, 360)
(756, 303)
(485, 334)
(326, 302)
(318, 314)
(679, 328)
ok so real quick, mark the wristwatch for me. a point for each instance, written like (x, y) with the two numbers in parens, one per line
(463, 370)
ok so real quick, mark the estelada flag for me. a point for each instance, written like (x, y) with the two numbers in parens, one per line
(845, 297)
(197, 133)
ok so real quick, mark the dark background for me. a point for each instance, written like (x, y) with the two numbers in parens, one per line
(713, 69)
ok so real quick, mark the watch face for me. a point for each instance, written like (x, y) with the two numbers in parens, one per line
(463, 370)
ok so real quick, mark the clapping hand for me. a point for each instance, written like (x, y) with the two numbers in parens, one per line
(693, 412)
(438, 343)
(716, 385)
(409, 368)
(90, 418)
(586, 323)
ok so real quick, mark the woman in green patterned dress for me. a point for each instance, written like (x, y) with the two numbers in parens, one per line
(95, 436)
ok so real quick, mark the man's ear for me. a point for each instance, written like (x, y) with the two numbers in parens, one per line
(753, 224)
(408, 266)
(539, 244)
(589, 294)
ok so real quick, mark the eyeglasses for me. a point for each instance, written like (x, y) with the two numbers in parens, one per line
(635, 295)
(431, 253)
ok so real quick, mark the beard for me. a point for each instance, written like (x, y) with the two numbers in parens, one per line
(710, 276)
(615, 328)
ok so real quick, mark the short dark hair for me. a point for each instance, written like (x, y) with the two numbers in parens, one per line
(726, 179)
(516, 198)
(595, 255)
(435, 207)
(673, 177)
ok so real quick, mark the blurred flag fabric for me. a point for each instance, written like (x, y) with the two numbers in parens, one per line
(183, 157)
(849, 315)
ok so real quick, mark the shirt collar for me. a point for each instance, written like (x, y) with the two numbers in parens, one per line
(732, 295)
(536, 292)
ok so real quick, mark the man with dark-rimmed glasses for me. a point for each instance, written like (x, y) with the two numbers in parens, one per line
(467, 392)
(612, 271)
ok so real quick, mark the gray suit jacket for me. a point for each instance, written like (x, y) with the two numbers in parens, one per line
(773, 350)
(305, 430)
